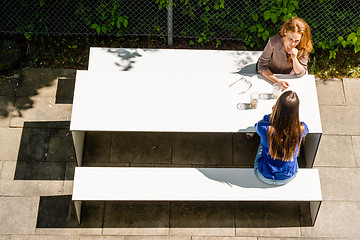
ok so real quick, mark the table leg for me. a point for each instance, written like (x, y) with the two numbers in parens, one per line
(311, 145)
(78, 210)
(314, 211)
(78, 138)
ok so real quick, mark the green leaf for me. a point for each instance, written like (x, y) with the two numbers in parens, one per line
(273, 18)
(291, 8)
(125, 23)
(255, 17)
(200, 40)
(273, 9)
(351, 38)
(340, 39)
(103, 28)
(296, 4)
(94, 26)
(358, 31)
(42, 2)
(216, 6)
(207, 8)
(267, 15)
(343, 43)
(253, 29)
(285, 10)
(98, 29)
(357, 48)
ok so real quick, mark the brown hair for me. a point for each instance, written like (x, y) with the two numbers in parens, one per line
(285, 131)
(298, 25)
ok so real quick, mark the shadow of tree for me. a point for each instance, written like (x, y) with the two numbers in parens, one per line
(16, 95)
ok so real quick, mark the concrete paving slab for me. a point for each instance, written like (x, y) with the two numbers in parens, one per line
(42, 82)
(336, 219)
(69, 231)
(42, 170)
(61, 146)
(65, 90)
(96, 147)
(203, 231)
(157, 238)
(340, 184)
(136, 218)
(68, 187)
(356, 147)
(339, 120)
(30, 188)
(7, 106)
(9, 143)
(59, 212)
(43, 237)
(245, 149)
(18, 215)
(277, 238)
(101, 237)
(352, 90)
(202, 148)
(138, 147)
(136, 231)
(335, 151)
(5, 237)
(39, 109)
(330, 92)
(225, 238)
(202, 218)
(8, 170)
(267, 219)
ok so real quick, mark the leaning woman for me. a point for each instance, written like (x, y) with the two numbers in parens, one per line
(281, 134)
(287, 52)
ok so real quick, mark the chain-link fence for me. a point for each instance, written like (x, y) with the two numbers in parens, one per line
(200, 20)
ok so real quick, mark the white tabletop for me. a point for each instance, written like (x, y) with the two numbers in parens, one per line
(182, 102)
(171, 60)
(189, 184)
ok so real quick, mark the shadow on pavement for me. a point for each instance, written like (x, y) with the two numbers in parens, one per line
(59, 212)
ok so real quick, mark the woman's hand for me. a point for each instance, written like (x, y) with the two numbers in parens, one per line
(293, 52)
(284, 85)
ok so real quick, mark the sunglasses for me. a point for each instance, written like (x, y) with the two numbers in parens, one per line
(244, 84)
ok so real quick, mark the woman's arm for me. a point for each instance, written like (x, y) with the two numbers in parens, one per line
(298, 68)
(271, 77)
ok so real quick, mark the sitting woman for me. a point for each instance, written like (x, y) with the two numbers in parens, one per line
(286, 53)
(281, 134)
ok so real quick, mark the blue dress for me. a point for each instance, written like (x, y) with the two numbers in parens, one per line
(271, 168)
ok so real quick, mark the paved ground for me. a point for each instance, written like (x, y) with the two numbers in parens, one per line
(37, 164)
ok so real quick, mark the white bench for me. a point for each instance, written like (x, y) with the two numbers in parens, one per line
(190, 184)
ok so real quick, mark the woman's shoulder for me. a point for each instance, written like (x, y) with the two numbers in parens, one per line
(305, 128)
(263, 123)
(276, 40)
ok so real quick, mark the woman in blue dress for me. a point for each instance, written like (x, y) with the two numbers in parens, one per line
(281, 134)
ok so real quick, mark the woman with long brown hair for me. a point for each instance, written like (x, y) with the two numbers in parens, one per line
(281, 134)
(287, 52)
